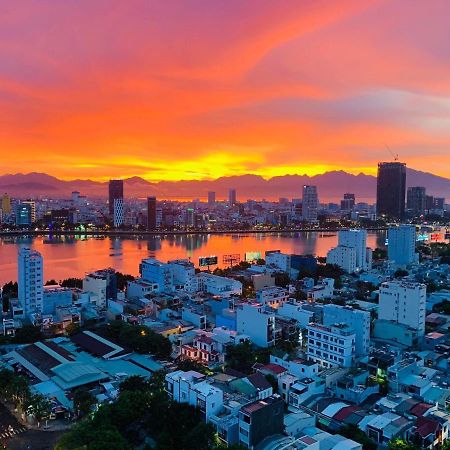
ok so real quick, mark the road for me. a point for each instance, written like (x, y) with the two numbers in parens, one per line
(13, 435)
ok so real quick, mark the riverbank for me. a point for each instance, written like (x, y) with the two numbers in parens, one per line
(172, 233)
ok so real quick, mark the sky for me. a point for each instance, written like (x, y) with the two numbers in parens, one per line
(198, 89)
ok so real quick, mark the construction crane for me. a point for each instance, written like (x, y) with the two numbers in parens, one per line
(395, 155)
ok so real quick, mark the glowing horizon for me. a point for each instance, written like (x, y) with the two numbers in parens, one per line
(203, 89)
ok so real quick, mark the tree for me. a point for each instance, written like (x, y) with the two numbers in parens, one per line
(123, 279)
(379, 253)
(39, 406)
(28, 334)
(83, 401)
(400, 273)
(72, 328)
(353, 432)
(50, 282)
(241, 357)
(134, 383)
(72, 283)
(401, 444)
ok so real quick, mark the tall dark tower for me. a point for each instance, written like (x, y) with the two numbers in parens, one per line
(115, 193)
(151, 213)
(391, 189)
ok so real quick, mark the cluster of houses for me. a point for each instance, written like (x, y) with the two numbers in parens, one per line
(379, 364)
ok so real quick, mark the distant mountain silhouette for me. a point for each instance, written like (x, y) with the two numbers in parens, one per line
(331, 186)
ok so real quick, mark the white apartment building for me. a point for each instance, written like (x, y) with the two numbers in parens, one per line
(101, 285)
(403, 302)
(140, 288)
(216, 285)
(253, 320)
(402, 245)
(278, 261)
(331, 345)
(352, 253)
(344, 257)
(273, 296)
(295, 310)
(184, 277)
(357, 319)
(310, 203)
(357, 239)
(191, 387)
(323, 289)
(30, 281)
(157, 272)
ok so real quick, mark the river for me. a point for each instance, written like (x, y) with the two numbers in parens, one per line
(73, 256)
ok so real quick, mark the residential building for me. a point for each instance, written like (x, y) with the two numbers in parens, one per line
(30, 281)
(403, 302)
(23, 214)
(356, 239)
(344, 257)
(416, 199)
(402, 244)
(331, 345)
(151, 214)
(103, 285)
(253, 320)
(272, 296)
(211, 198)
(348, 203)
(260, 419)
(358, 320)
(6, 204)
(278, 261)
(184, 276)
(391, 189)
(217, 285)
(232, 199)
(157, 272)
(310, 203)
(115, 192)
(192, 387)
(118, 213)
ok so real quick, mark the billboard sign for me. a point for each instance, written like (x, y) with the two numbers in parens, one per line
(205, 261)
(252, 256)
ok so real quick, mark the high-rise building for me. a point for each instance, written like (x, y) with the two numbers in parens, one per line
(151, 213)
(348, 203)
(23, 214)
(391, 189)
(416, 199)
(118, 212)
(310, 203)
(357, 239)
(232, 199)
(211, 198)
(404, 303)
(32, 209)
(438, 203)
(115, 192)
(402, 244)
(30, 281)
(6, 204)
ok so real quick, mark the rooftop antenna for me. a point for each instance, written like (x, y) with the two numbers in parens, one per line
(395, 155)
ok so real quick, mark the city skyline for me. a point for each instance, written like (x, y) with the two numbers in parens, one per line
(167, 92)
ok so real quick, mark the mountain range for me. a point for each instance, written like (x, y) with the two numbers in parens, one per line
(331, 186)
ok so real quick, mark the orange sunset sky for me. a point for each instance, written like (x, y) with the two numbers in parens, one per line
(193, 89)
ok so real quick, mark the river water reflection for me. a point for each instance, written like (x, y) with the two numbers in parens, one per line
(73, 256)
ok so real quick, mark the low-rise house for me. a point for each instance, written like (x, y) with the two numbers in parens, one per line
(193, 388)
